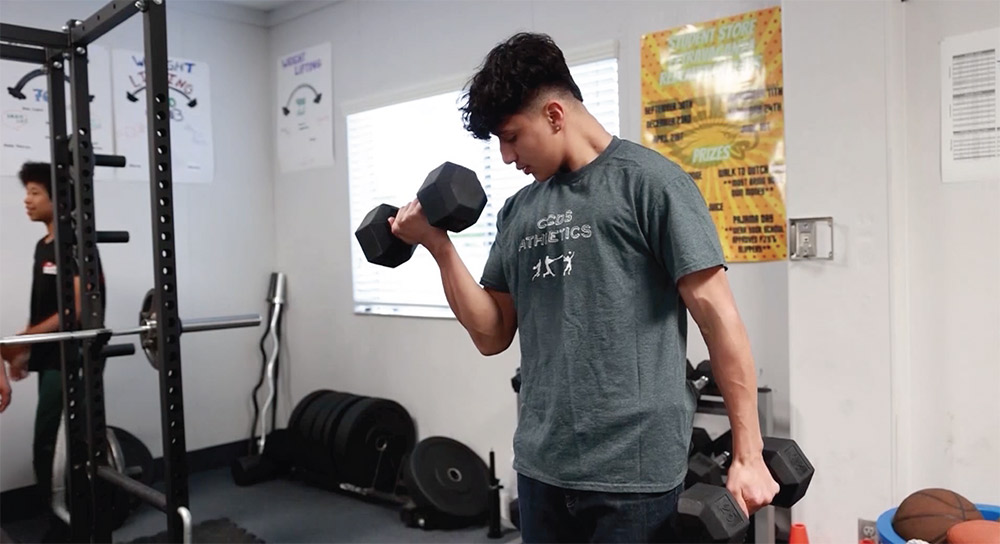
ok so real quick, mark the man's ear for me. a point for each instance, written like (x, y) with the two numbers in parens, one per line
(555, 114)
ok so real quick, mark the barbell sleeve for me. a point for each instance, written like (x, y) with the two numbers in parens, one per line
(219, 323)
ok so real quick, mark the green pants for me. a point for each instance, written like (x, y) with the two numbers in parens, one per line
(47, 415)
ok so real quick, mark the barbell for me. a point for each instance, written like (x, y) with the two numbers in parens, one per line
(146, 329)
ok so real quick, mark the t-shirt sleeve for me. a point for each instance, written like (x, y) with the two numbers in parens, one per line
(675, 220)
(493, 273)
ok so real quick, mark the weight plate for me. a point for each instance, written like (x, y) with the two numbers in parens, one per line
(293, 420)
(370, 443)
(448, 476)
(310, 414)
(325, 406)
(329, 433)
(317, 455)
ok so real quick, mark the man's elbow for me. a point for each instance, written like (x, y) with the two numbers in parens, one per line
(492, 346)
(489, 350)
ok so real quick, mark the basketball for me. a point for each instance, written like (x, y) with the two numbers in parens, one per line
(929, 513)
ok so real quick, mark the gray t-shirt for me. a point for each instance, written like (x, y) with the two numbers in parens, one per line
(591, 259)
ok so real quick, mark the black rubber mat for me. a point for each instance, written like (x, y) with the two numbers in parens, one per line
(211, 531)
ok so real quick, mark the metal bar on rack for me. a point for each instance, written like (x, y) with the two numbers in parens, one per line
(118, 350)
(104, 20)
(91, 297)
(148, 495)
(168, 323)
(114, 161)
(74, 395)
(112, 237)
(763, 526)
(22, 54)
(24, 35)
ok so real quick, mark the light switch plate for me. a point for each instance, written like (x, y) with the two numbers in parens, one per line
(810, 238)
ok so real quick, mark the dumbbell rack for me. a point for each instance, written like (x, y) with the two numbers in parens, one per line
(762, 525)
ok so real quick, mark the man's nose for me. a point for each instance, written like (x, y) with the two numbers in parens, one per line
(507, 153)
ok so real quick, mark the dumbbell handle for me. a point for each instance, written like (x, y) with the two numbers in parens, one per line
(700, 383)
(722, 459)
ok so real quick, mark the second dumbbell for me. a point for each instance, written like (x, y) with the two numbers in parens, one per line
(452, 199)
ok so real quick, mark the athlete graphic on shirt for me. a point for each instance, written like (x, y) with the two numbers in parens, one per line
(567, 263)
(548, 263)
(567, 260)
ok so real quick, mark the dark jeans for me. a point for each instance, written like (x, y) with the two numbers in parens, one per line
(554, 514)
(47, 416)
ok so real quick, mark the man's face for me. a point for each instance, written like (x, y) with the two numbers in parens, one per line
(528, 140)
(37, 202)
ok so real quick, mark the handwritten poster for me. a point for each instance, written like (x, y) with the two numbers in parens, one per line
(305, 109)
(190, 106)
(25, 102)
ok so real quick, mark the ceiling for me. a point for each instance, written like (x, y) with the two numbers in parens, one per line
(261, 5)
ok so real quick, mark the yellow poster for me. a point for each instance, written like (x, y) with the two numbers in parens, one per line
(712, 103)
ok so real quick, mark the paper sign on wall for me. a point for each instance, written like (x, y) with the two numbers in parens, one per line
(712, 101)
(25, 104)
(970, 107)
(190, 105)
(305, 109)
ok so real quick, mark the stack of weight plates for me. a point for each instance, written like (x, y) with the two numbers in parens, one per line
(345, 438)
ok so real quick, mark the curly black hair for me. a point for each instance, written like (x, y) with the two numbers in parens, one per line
(513, 74)
(39, 172)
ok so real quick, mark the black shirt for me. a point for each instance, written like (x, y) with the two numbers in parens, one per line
(45, 302)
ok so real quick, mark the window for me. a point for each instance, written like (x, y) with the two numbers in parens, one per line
(390, 151)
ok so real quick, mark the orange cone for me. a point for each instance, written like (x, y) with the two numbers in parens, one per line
(798, 534)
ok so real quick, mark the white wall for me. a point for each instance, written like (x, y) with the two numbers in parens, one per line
(430, 366)
(225, 241)
(954, 279)
(835, 126)
(894, 344)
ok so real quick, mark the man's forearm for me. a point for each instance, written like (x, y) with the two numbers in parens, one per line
(473, 306)
(733, 371)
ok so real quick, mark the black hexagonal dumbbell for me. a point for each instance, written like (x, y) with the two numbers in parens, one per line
(709, 513)
(706, 470)
(452, 198)
(708, 464)
(789, 467)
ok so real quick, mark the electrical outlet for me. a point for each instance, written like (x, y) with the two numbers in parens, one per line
(867, 530)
